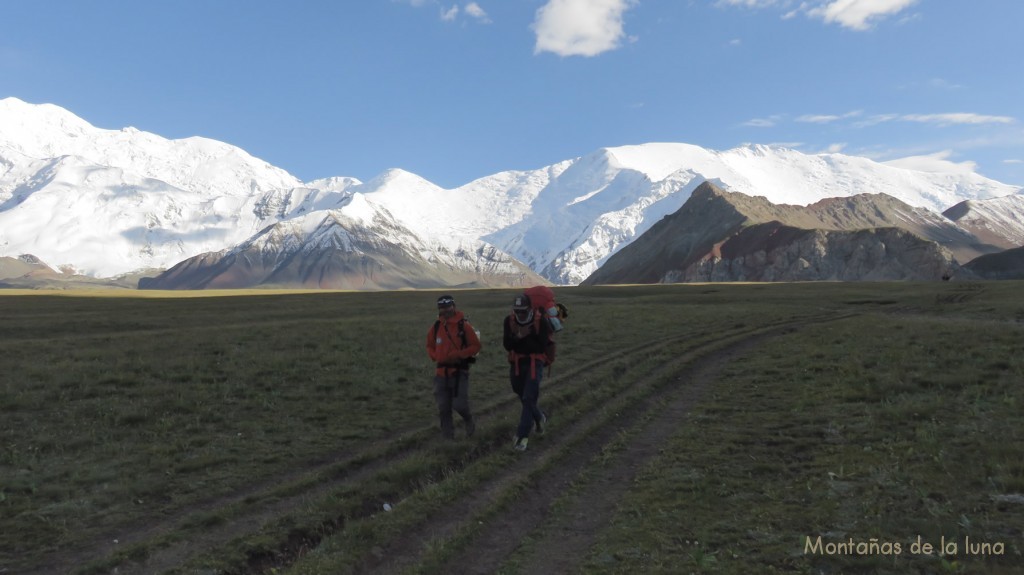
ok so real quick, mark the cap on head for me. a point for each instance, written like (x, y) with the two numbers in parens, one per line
(521, 303)
(445, 301)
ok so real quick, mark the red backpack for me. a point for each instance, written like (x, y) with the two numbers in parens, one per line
(544, 299)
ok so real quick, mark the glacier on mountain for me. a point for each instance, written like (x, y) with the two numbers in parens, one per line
(109, 202)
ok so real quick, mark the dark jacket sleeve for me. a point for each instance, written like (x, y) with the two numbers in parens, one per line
(507, 339)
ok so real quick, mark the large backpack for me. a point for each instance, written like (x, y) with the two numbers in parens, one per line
(543, 298)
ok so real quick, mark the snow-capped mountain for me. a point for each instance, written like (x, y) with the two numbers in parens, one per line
(356, 246)
(566, 219)
(998, 221)
(109, 202)
(105, 202)
(595, 205)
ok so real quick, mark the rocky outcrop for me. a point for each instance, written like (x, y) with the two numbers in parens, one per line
(726, 236)
(25, 265)
(1005, 265)
(773, 252)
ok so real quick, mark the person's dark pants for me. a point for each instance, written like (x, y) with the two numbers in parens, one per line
(526, 384)
(452, 392)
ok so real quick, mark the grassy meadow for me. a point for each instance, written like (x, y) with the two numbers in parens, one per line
(261, 432)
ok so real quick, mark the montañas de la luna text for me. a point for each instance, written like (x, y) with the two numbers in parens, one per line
(874, 546)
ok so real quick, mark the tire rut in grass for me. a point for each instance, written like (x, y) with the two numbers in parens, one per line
(290, 552)
(562, 541)
(337, 470)
(550, 469)
(363, 464)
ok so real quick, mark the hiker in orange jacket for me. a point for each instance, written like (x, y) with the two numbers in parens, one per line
(453, 344)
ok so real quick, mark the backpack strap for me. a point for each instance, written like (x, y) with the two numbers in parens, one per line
(462, 330)
(462, 335)
(514, 357)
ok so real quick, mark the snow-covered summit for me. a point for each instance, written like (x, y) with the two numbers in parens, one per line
(192, 164)
(107, 202)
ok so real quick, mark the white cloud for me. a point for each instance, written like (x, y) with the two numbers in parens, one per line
(836, 148)
(936, 162)
(826, 119)
(748, 3)
(937, 119)
(735, 42)
(450, 14)
(858, 14)
(951, 119)
(875, 120)
(580, 27)
(819, 119)
(1013, 161)
(474, 10)
(854, 14)
(762, 122)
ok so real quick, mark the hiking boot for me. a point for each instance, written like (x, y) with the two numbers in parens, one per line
(470, 428)
(520, 444)
(540, 423)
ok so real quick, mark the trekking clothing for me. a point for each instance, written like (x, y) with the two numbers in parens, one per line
(526, 384)
(452, 392)
(446, 348)
(527, 338)
(451, 343)
(530, 337)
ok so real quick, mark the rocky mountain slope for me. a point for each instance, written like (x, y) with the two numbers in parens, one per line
(724, 236)
(1004, 265)
(358, 246)
(997, 221)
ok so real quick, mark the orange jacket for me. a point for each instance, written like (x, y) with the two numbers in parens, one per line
(446, 348)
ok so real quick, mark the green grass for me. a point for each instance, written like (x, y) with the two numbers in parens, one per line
(884, 428)
(903, 420)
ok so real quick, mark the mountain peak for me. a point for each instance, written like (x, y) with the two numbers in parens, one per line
(397, 177)
(128, 199)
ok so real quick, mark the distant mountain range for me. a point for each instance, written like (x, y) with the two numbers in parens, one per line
(728, 236)
(196, 213)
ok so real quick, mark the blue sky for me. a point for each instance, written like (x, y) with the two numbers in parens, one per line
(455, 90)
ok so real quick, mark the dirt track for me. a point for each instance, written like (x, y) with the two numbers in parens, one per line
(559, 466)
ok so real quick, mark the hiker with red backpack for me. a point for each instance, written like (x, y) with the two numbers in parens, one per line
(453, 344)
(527, 338)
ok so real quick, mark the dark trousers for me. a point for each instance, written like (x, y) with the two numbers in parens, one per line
(452, 392)
(526, 384)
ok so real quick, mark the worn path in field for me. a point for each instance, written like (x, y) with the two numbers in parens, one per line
(565, 541)
(561, 460)
(250, 513)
